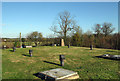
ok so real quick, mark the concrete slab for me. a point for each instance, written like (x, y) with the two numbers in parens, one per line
(60, 74)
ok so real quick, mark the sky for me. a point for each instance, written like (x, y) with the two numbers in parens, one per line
(26, 17)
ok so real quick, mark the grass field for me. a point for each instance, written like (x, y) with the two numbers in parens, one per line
(18, 65)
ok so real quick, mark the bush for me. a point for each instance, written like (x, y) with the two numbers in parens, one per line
(15, 44)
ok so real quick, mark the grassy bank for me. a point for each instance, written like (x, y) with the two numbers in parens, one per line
(18, 65)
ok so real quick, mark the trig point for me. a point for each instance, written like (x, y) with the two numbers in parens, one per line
(62, 42)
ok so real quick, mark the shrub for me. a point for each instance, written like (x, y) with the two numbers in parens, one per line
(15, 44)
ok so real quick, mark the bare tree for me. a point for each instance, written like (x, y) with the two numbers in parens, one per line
(34, 36)
(40, 37)
(64, 24)
(78, 30)
(97, 29)
(107, 29)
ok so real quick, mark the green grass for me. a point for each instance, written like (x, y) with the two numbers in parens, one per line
(80, 59)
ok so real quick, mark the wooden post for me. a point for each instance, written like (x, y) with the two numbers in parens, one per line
(91, 47)
(20, 41)
(61, 58)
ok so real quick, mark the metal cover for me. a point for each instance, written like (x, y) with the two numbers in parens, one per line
(59, 73)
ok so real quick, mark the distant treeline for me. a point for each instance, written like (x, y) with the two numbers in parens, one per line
(110, 41)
